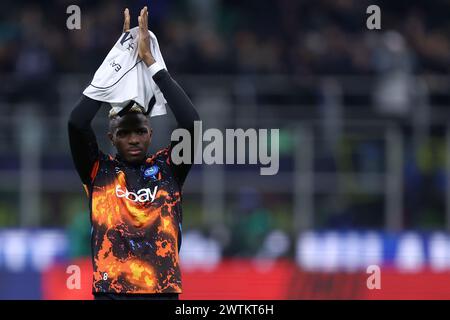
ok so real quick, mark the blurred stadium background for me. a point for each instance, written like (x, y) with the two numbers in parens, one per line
(364, 145)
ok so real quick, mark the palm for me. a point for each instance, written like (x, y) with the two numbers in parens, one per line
(143, 44)
(144, 36)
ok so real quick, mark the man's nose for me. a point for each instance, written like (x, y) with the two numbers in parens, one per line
(133, 139)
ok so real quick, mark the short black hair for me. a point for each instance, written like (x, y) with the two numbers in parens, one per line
(114, 115)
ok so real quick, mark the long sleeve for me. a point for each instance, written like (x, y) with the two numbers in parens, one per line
(83, 143)
(184, 112)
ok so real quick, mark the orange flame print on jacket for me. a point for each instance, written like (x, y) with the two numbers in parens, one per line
(117, 220)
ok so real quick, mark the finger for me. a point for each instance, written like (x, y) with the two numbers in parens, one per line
(141, 19)
(145, 17)
(142, 15)
(126, 20)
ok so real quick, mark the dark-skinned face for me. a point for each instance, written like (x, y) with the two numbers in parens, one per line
(131, 135)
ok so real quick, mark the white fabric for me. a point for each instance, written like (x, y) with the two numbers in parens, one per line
(123, 77)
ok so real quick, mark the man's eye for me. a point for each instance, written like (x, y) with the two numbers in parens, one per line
(142, 132)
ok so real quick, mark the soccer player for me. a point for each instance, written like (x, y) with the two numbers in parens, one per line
(134, 197)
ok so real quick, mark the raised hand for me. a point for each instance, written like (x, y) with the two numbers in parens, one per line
(144, 38)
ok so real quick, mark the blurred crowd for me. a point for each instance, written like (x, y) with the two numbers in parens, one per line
(250, 37)
(229, 36)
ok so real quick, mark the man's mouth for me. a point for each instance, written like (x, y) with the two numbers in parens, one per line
(134, 151)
